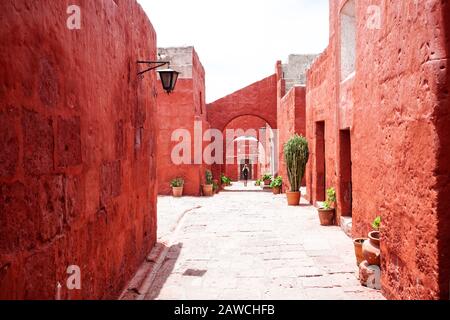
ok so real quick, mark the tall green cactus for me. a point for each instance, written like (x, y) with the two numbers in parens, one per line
(296, 155)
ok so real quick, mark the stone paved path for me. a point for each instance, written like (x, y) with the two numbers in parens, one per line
(251, 245)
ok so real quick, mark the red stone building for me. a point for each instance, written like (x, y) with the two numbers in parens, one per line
(377, 104)
(291, 105)
(274, 108)
(183, 109)
(77, 148)
(238, 111)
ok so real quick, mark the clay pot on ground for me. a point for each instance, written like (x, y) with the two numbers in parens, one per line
(326, 216)
(371, 248)
(358, 243)
(267, 182)
(177, 191)
(207, 190)
(276, 190)
(293, 198)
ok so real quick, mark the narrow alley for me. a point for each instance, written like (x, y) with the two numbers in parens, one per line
(249, 245)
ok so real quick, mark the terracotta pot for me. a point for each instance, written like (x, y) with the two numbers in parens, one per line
(207, 190)
(177, 191)
(358, 243)
(276, 190)
(371, 248)
(326, 217)
(293, 198)
(267, 182)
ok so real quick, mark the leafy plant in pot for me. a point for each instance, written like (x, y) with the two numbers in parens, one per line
(296, 155)
(208, 186)
(258, 183)
(177, 185)
(371, 247)
(276, 185)
(327, 211)
(267, 178)
(225, 180)
(216, 186)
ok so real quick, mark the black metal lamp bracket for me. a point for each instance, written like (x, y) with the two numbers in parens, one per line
(154, 65)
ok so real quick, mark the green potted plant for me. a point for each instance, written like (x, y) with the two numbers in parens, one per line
(296, 155)
(327, 211)
(258, 183)
(225, 180)
(276, 185)
(371, 247)
(177, 185)
(208, 186)
(267, 178)
(215, 186)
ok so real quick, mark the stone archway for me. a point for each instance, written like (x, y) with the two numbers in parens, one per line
(237, 146)
(258, 99)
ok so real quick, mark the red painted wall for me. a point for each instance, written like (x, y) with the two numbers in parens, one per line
(397, 146)
(258, 99)
(442, 118)
(180, 110)
(77, 169)
(291, 120)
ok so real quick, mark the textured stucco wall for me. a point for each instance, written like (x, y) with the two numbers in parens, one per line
(291, 120)
(77, 148)
(392, 107)
(258, 99)
(181, 110)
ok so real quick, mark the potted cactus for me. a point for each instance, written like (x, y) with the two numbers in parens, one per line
(267, 178)
(296, 155)
(276, 185)
(177, 185)
(207, 188)
(326, 211)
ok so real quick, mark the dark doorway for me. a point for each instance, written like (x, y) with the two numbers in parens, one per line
(250, 168)
(345, 173)
(320, 161)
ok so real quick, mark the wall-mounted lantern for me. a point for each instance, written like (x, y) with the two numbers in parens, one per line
(168, 76)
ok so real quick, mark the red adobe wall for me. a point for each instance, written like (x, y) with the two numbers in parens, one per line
(258, 99)
(320, 104)
(180, 110)
(291, 120)
(391, 107)
(442, 118)
(77, 169)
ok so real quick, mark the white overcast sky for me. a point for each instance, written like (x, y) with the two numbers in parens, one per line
(239, 41)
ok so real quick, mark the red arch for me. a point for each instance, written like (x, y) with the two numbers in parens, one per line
(258, 99)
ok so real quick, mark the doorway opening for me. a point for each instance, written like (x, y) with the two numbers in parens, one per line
(345, 173)
(320, 161)
(250, 169)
